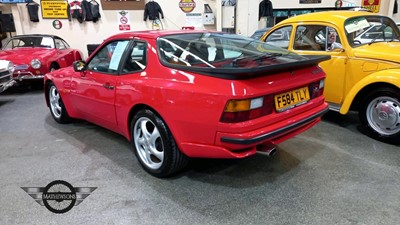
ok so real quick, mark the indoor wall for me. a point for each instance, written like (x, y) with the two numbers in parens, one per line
(78, 35)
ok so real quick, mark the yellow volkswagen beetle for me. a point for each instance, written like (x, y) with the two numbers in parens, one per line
(364, 71)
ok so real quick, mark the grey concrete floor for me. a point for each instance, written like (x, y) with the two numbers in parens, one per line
(331, 174)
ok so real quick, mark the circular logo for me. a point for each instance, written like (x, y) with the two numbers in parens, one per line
(57, 24)
(59, 196)
(187, 5)
(339, 4)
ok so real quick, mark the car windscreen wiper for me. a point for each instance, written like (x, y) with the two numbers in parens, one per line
(267, 56)
(256, 57)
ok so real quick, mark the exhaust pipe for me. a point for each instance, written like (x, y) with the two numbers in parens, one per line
(266, 149)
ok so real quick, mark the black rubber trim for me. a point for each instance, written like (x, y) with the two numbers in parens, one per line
(273, 133)
(240, 73)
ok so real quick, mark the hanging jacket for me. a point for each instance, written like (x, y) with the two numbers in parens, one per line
(265, 9)
(152, 10)
(33, 9)
(88, 11)
(95, 9)
(77, 12)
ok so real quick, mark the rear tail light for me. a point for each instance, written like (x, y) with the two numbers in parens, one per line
(247, 109)
(316, 88)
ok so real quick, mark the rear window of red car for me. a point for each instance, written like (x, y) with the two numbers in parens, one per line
(220, 50)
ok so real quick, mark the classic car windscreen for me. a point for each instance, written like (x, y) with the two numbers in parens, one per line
(221, 50)
(369, 29)
(30, 42)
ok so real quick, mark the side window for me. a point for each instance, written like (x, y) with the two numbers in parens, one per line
(65, 44)
(280, 37)
(309, 38)
(59, 44)
(108, 59)
(136, 60)
(316, 38)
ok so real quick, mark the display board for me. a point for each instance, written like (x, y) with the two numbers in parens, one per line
(54, 9)
(123, 5)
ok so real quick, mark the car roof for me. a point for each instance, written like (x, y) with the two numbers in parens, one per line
(153, 34)
(336, 17)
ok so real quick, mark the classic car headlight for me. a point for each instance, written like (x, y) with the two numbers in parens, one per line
(36, 64)
(10, 67)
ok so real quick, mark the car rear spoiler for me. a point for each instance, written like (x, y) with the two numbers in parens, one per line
(237, 73)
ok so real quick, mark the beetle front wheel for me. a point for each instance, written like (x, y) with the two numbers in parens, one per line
(380, 115)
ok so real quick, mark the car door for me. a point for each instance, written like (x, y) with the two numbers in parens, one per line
(320, 39)
(94, 90)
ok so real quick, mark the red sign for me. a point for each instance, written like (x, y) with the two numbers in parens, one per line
(124, 27)
(187, 5)
(371, 5)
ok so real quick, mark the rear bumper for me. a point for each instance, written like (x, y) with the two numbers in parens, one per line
(243, 144)
(6, 85)
(272, 134)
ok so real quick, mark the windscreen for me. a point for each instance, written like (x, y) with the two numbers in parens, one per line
(30, 42)
(370, 29)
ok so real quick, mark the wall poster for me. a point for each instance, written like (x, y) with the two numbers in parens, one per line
(54, 9)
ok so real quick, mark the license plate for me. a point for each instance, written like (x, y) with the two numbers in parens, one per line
(291, 99)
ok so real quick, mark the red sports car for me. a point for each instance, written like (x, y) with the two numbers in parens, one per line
(182, 94)
(35, 55)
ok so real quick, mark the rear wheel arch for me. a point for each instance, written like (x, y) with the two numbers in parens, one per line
(135, 109)
(148, 149)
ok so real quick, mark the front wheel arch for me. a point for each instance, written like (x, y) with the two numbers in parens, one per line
(359, 98)
(54, 65)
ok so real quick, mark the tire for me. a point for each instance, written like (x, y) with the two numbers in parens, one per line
(380, 115)
(57, 108)
(154, 145)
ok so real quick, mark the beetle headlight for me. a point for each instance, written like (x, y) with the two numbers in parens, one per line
(10, 67)
(36, 64)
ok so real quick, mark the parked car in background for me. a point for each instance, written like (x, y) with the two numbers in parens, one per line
(36, 54)
(259, 33)
(363, 73)
(181, 94)
(6, 71)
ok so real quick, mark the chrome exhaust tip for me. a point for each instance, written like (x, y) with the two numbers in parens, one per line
(266, 149)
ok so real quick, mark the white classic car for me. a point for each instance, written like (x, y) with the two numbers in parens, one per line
(6, 71)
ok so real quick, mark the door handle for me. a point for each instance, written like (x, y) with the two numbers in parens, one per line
(108, 86)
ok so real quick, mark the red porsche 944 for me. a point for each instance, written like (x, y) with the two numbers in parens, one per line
(182, 94)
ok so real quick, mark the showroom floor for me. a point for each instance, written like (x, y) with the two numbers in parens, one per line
(332, 174)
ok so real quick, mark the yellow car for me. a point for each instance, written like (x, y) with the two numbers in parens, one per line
(363, 73)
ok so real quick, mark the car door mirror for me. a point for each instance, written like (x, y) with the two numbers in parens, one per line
(80, 66)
